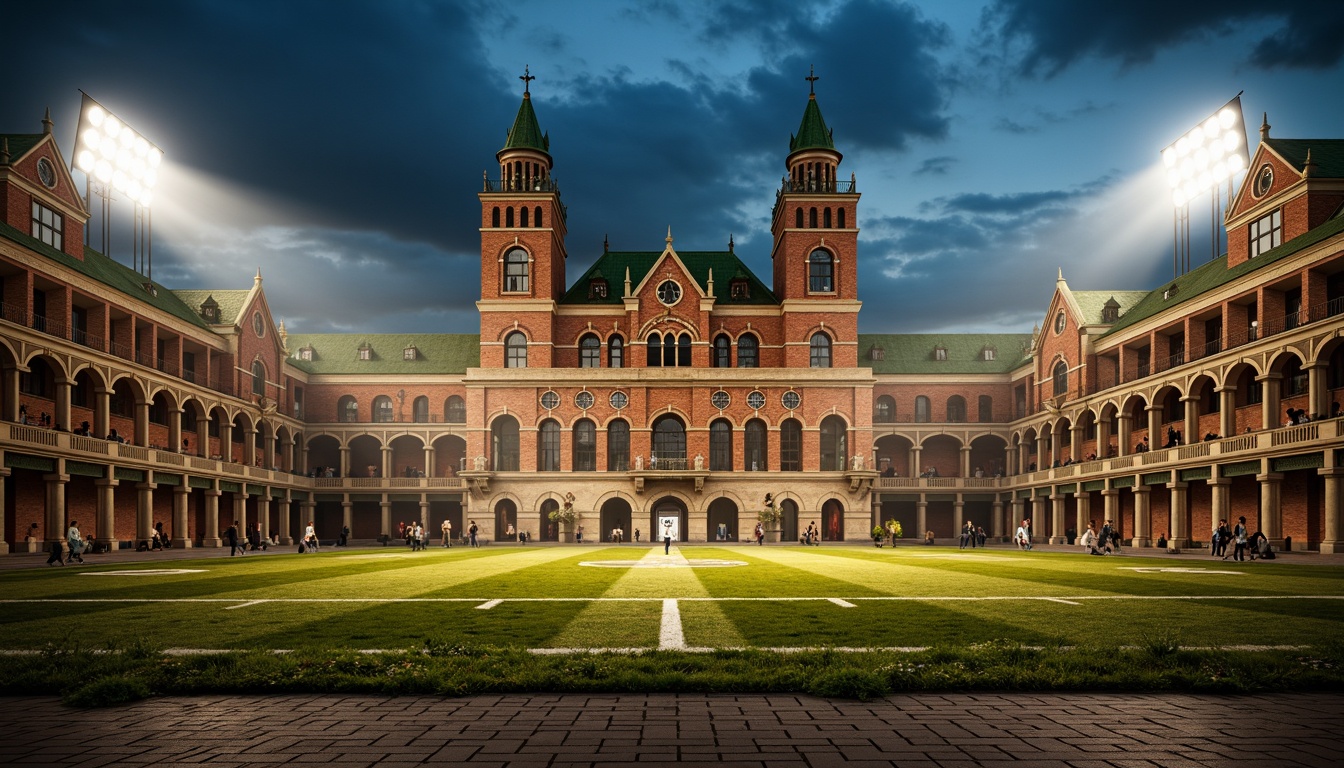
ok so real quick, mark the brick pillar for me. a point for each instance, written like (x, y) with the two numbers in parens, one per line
(1179, 535)
(107, 523)
(1057, 535)
(211, 536)
(181, 494)
(1334, 499)
(1271, 514)
(1142, 523)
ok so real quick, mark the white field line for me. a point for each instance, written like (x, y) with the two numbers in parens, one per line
(670, 637)
(1061, 600)
(496, 601)
(243, 605)
(841, 602)
(487, 605)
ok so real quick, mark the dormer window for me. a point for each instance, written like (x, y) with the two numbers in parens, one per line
(210, 310)
(305, 353)
(48, 225)
(597, 288)
(877, 353)
(365, 351)
(988, 354)
(1171, 291)
(410, 353)
(739, 289)
(940, 353)
(1110, 311)
(1266, 233)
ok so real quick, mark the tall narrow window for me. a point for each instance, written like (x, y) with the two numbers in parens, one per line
(1061, 377)
(820, 272)
(516, 271)
(747, 351)
(616, 352)
(504, 444)
(986, 409)
(922, 415)
(884, 410)
(840, 214)
(508, 216)
(455, 410)
(515, 350)
(826, 218)
(618, 446)
(756, 447)
(833, 447)
(798, 219)
(721, 446)
(655, 350)
(669, 443)
(585, 446)
(258, 378)
(590, 352)
(494, 217)
(536, 216)
(684, 350)
(791, 446)
(956, 409)
(821, 350)
(723, 351)
(523, 216)
(548, 447)
(420, 410)
(382, 409)
(812, 218)
(347, 410)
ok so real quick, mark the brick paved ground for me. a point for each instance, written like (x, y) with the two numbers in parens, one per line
(1018, 730)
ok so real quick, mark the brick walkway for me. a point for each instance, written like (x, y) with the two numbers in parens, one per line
(1018, 730)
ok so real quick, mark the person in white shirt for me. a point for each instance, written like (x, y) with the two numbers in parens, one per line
(310, 537)
(1023, 535)
(1089, 540)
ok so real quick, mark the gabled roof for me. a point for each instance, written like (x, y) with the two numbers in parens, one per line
(338, 353)
(1216, 273)
(725, 265)
(914, 352)
(1090, 303)
(1326, 154)
(105, 271)
(812, 133)
(231, 302)
(526, 133)
(20, 143)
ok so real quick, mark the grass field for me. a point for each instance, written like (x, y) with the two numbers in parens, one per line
(846, 621)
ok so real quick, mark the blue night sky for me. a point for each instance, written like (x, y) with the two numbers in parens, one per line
(338, 145)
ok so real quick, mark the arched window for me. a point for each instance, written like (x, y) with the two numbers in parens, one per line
(515, 350)
(840, 214)
(723, 351)
(618, 446)
(748, 351)
(347, 409)
(798, 223)
(585, 446)
(508, 216)
(523, 216)
(884, 410)
(812, 218)
(516, 271)
(720, 446)
(833, 446)
(655, 350)
(536, 216)
(986, 409)
(791, 446)
(956, 409)
(820, 272)
(420, 410)
(821, 350)
(504, 444)
(494, 217)
(1061, 377)
(616, 352)
(757, 448)
(684, 350)
(826, 218)
(669, 442)
(922, 415)
(455, 410)
(548, 446)
(258, 378)
(382, 409)
(590, 352)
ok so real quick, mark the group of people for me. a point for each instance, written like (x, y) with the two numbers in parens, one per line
(811, 536)
(1105, 542)
(75, 542)
(972, 535)
(1243, 542)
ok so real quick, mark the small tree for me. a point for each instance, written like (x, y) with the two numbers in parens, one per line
(565, 514)
(770, 512)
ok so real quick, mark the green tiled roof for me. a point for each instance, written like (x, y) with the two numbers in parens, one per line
(812, 134)
(725, 265)
(115, 276)
(1216, 273)
(1326, 154)
(914, 352)
(230, 302)
(526, 133)
(1092, 302)
(335, 353)
(20, 143)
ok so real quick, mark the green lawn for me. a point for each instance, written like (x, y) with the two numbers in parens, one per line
(780, 598)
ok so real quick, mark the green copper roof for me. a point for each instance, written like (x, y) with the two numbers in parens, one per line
(230, 302)
(338, 353)
(812, 134)
(915, 352)
(1326, 154)
(115, 276)
(526, 133)
(1093, 302)
(20, 143)
(725, 265)
(1216, 273)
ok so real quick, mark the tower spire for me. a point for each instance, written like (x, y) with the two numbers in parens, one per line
(811, 81)
(527, 78)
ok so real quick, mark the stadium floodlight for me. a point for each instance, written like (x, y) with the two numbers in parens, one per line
(1205, 156)
(109, 150)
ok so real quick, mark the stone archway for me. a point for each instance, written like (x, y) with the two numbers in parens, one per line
(668, 509)
(832, 520)
(722, 523)
(615, 514)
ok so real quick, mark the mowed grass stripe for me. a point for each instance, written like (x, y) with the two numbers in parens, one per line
(790, 574)
(557, 576)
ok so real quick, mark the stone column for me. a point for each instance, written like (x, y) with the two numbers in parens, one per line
(1271, 514)
(1179, 535)
(1142, 521)
(250, 446)
(1110, 506)
(1018, 509)
(181, 494)
(4, 473)
(1334, 499)
(61, 418)
(202, 447)
(965, 461)
(211, 536)
(240, 511)
(225, 440)
(102, 412)
(1270, 389)
(1043, 454)
(1227, 411)
(1125, 445)
(264, 514)
(1190, 433)
(175, 431)
(1057, 533)
(1318, 393)
(1013, 466)
(424, 512)
(385, 507)
(387, 461)
(429, 461)
(309, 514)
(916, 468)
(106, 500)
(1082, 503)
(922, 516)
(1220, 505)
(144, 509)
(345, 460)
(958, 514)
(996, 518)
(11, 394)
(286, 507)
(1155, 436)
(55, 517)
(141, 423)
(348, 513)
(1103, 438)
(1076, 436)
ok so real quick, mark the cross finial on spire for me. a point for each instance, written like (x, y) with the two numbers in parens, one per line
(527, 79)
(811, 80)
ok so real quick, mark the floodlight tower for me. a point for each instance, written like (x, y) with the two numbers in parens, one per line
(1201, 160)
(117, 159)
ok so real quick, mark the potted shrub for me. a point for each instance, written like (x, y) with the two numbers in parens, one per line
(769, 517)
(879, 533)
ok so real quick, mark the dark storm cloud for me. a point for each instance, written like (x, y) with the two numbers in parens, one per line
(1047, 36)
(936, 166)
(1047, 117)
(1015, 203)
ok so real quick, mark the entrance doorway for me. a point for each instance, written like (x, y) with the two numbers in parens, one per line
(616, 514)
(668, 518)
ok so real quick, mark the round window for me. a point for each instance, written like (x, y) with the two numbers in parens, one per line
(549, 400)
(791, 399)
(258, 324)
(669, 292)
(618, 400)
(720, 399)
(584, 400)
(1264, 179)
(46, 172)
(1060, 322)
(756, 400)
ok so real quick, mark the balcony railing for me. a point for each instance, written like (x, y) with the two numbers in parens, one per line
(818, 185)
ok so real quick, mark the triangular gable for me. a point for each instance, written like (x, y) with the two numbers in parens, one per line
(1061, 299)
(256, 302)
(24, 163)
(1286, 175)
(654, 273)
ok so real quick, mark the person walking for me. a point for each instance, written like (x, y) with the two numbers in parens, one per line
(75, 542)
(310, 537)
(760, 535)
(447, 529)
(1239, 535)
(423, 536)
(57, 556)
(472, 530)
(1023, 536)
(667, 540)
(234, 537)
(967, 535)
